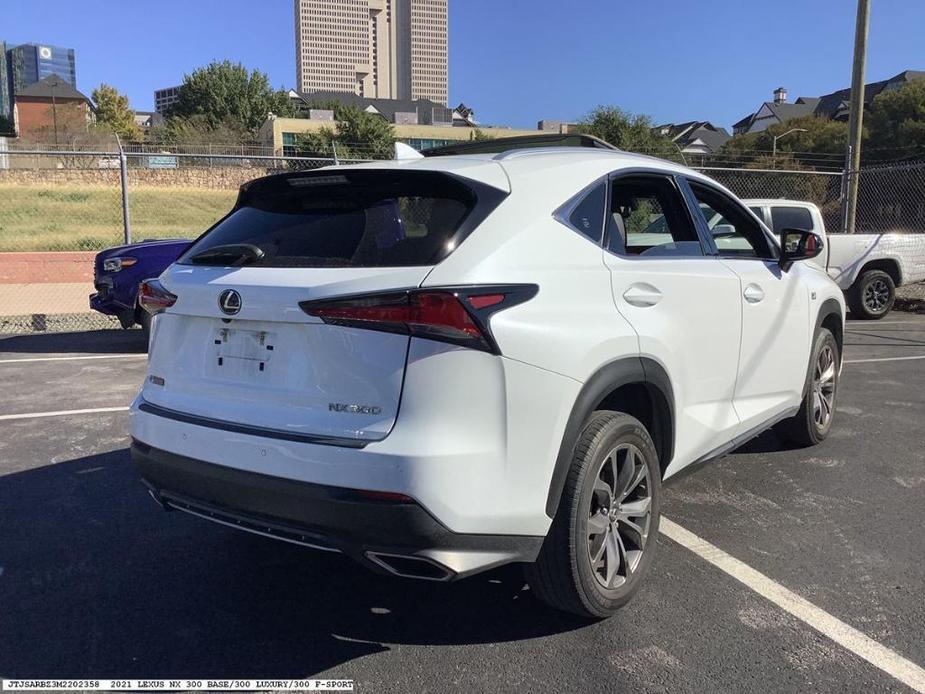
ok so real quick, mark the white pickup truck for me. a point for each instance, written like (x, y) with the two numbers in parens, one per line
(867, 267)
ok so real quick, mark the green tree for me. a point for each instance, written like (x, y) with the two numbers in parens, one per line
(227, 95)
(197, 130)
(479, 135)
(896, 123)
(628, 131)
(358, 135)
(112, 111)
(821, 136)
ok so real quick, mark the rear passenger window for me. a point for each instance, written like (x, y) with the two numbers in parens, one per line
(790, 218)
(587, 216)
(648, 217)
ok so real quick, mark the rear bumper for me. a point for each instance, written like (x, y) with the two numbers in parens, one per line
(392, 534)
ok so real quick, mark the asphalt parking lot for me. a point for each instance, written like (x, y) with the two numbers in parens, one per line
(97, 581)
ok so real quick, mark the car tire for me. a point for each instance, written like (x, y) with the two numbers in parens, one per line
(872, 296)
(812, 424)
(600, 543)
(143, 318)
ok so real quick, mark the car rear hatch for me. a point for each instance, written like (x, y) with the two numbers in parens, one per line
(236, 350)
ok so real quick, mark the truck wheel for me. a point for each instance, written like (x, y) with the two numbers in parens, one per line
(602, 539)
(812, 424)
(871, 297)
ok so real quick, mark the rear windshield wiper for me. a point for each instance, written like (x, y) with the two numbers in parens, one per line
(232, 255)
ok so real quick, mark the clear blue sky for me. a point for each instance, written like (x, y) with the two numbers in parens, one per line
(514, 61)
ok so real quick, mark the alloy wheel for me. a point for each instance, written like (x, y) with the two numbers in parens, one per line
(877, 296)
(824, 375)
(619, 516)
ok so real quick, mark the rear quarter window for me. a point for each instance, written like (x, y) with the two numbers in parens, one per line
(363, 218)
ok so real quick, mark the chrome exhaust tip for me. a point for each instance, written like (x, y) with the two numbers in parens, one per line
(408, 566)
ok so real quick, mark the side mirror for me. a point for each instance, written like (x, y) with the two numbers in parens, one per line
(797, 244)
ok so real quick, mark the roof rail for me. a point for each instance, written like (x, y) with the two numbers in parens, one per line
(507, 144)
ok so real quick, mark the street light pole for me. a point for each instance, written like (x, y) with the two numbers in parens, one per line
(856, 117)
(777, 137)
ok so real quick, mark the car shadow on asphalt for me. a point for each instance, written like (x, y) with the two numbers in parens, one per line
(96, 580)
(89, 341)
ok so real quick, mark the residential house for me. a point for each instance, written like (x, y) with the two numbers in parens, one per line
(695, 137)
(834, 106)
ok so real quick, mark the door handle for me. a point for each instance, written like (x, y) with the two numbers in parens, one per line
(753, 294)
(642, 295)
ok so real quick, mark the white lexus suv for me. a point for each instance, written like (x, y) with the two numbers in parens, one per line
(441, 365)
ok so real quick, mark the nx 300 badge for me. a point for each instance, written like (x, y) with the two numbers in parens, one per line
(354, 409)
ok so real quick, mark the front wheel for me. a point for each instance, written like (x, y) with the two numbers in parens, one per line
(602, 539)
(872, 296)
(813, 422)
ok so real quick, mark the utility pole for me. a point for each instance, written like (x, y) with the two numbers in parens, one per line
(856, 117)
(54, 109)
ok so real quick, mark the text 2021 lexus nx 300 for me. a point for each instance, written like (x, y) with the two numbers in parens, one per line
(441, 365)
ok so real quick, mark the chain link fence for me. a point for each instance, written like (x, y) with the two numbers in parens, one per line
(59, 208)
(891, 199)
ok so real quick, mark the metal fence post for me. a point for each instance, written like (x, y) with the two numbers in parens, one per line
(123, 175)
(334, 150)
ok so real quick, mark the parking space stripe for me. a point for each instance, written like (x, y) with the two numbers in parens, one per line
(93, 356)
(60, 413)
(868, 361)
(831, 627)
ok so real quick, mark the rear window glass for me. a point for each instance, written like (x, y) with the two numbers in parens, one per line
(382, 218)
(790, 218)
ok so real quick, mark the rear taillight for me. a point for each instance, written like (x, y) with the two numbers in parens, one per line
(154, 298)
(459, 315)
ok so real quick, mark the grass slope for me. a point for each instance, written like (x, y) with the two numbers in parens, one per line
(84, 218)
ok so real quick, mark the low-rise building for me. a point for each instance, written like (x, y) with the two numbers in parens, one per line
(420, 123)
(51, 110)
(282, 133)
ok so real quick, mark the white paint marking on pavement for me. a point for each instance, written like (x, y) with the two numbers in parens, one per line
(852, 326)
(61, 413)
(94, 356)
(833, 628)
(868, 361)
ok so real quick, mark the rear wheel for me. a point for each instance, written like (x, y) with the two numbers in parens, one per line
(602, 539)
(812, 423)
(872, 296)
(143, 318)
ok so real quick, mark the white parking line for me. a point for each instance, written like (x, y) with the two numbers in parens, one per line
(852, 326)
(60, 413)
(94, 356)
(867, 361)
(831, 627)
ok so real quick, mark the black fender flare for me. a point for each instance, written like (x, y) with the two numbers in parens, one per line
(830, 307)
(613, 375)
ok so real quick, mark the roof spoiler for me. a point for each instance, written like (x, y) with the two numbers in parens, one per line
(503, 144)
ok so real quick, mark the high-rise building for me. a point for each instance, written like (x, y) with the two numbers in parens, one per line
(165, 98)
(384, 49)
(33, 62)
(6, 99)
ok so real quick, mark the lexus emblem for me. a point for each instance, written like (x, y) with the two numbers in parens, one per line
(229, 301)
